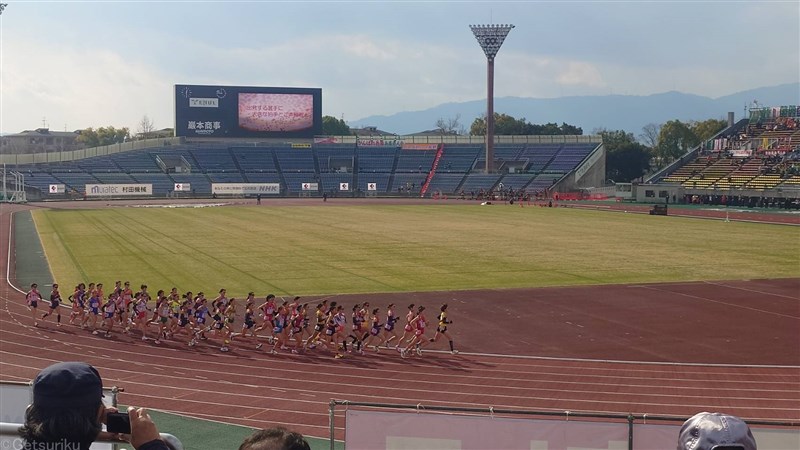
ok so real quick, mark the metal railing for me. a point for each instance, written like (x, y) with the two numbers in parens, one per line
(631, 419)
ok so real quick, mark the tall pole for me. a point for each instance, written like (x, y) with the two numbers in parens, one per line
(490, 116)
(490, 38)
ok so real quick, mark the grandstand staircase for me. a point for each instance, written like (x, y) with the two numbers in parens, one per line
(390, 185)
(432, 172)
(237, 165)
(550, 161)
(280, 171)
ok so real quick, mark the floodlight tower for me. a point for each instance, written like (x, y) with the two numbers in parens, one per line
(490, 38)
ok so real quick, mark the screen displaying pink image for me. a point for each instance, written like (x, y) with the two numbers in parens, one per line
(276, 112)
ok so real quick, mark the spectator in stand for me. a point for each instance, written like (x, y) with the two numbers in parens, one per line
(278, 438)
(707, 431)
(68, 412)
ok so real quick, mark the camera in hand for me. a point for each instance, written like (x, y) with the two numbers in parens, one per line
(118, 423)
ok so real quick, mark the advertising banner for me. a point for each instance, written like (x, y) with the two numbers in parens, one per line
(420, 146)
(372, 186)
(310, 186)
(378, 142)
(118, 190)
(183, 187)
(245, 188)
(327, 140)
(57, 189)
(344, 186)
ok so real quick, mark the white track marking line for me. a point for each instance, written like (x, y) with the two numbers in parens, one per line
(751, 290)
(733, 305)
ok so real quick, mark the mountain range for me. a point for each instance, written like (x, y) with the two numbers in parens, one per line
(612, 112)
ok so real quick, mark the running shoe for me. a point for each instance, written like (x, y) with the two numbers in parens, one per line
(419, 351)
(224, 349)
(157, 341)
(403, 354)
(259, 346)
(454, 352)
(294, 352)
(95, 332)
(338, 356)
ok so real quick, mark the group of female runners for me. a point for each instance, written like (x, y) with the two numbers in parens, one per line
(285, 325)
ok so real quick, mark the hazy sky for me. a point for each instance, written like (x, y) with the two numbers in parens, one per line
(81, 64)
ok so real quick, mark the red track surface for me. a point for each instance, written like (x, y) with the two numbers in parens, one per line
(686, 347)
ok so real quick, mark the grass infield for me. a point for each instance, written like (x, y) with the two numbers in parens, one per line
(291, 250)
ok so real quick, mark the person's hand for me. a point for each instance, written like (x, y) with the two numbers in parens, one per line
(143, 429)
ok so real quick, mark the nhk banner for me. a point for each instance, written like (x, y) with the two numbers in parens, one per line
(245, 188)
(115, 190)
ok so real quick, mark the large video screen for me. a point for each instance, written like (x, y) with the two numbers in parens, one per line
(247, 112)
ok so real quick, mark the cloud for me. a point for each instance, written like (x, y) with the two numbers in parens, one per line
(78, 88)
(581, 73)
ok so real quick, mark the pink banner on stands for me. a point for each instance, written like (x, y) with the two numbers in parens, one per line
(370, 430)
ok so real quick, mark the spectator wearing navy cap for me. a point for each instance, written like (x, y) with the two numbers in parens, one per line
(715, 431)
(68, 412)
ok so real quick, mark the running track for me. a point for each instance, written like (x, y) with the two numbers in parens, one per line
(687, 347)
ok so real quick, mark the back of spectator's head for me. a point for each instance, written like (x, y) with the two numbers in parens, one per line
(67, 405)
(715, 431)
(277, 438)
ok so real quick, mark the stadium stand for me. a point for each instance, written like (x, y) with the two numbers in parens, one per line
(393, 170)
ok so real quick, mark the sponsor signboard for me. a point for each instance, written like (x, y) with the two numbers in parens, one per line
(57, 189)
(301, 145)
(372, 186)
(245, 188)
(378, 142)
(420, 146)
(183, 187)
(344, 186)
(118, 190)
(310, 186)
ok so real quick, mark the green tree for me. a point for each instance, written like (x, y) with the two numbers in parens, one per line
(627, 162)
(103, 136)
(511, 126)
(708, 128)
(331, 126)
(626, 159)
(674, 139)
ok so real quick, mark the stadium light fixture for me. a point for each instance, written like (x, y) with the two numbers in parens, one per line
(2, 7)
(490, 38)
